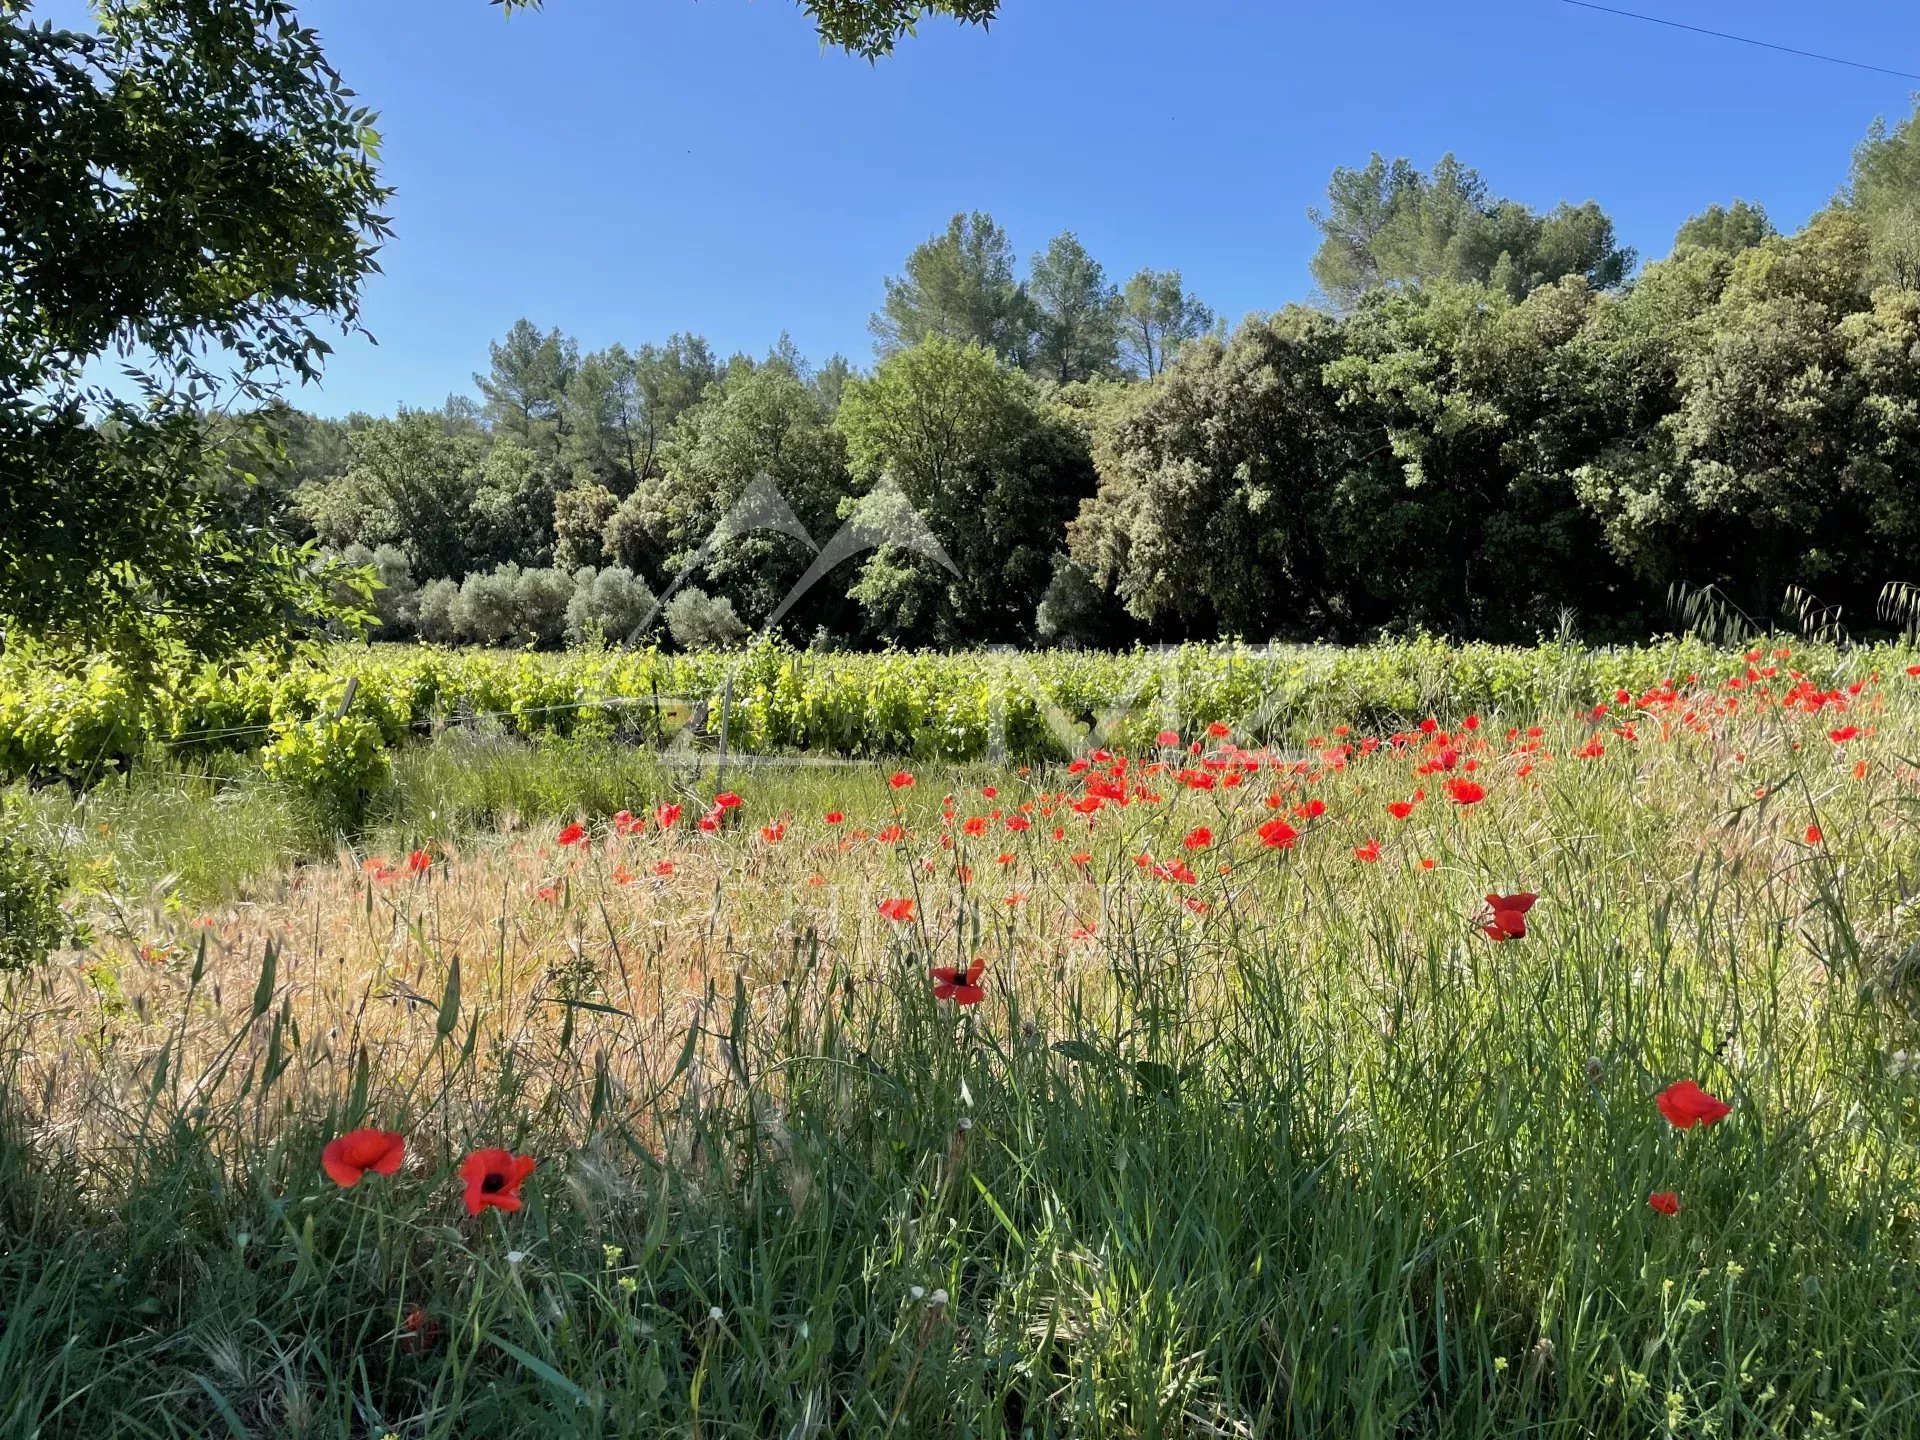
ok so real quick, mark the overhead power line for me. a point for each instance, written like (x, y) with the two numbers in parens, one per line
(1743, 39)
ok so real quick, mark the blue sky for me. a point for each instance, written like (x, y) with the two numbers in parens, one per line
(627, 168)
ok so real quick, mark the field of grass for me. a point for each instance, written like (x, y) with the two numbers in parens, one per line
(1264, 1123)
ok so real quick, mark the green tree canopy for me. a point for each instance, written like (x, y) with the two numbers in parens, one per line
(959, 286)
(1157, 319)
(191, 188)
(1392, 224)
(762, 438)
(1728, 228)
(992, 472)
(526, 386)
(410, 483)
(1076, 313)
(1884, 193)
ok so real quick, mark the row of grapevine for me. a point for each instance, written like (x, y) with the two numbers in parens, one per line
(81, 718)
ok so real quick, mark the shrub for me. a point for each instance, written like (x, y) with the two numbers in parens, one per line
(580, 516)
(435, 611)
(608, 605)
(334, 763)
(485, 612)
(540, 600)
(32, 924)
(396, 599)
(699, 621)
(1075, 610)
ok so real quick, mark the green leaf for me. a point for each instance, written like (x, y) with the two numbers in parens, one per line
(449, 1002)
(269, 970)
(541, 1368)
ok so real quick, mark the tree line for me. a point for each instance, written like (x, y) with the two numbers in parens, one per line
(1496, 417)
(1495, 421)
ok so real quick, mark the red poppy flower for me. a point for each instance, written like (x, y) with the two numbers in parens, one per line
(1814, 835)
(1520, 904)
(354, 1154)
(899, 911)
(773, 833)
(1198, 838)
(1665, 1201)
(1843, 734)
(493, 1178)
(667, 816)
(727, 800)
(623, 876)
(628, 823)
(1278, 835)
(549, 892)
(574, 834)
(663, 867)
(975, 825)
(1167, 739)
(711, 820)
(1685, 1105)
(889, 834)
(900, 779)
(1399, 809)
(1426, 864)
(1019, 822)
(834, 817)
(1465, 792)
(1507, 925)
(419, 862)
(1369, 852)
(960, 986)
(418, 1331)
(1219, 731)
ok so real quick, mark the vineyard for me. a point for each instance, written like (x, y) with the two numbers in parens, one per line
(340, 713)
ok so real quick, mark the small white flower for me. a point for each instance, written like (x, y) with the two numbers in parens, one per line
(939, 1297)
(514, 1257)
(966, 1123)
(716, 1314)
(918, 1292)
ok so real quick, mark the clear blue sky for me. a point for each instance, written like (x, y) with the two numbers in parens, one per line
(627, 168)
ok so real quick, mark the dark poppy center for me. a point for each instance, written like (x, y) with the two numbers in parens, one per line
(494, 1183)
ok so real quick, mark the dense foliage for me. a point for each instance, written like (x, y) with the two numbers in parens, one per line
(188, 185)
(1496, 431)
(80, 721)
